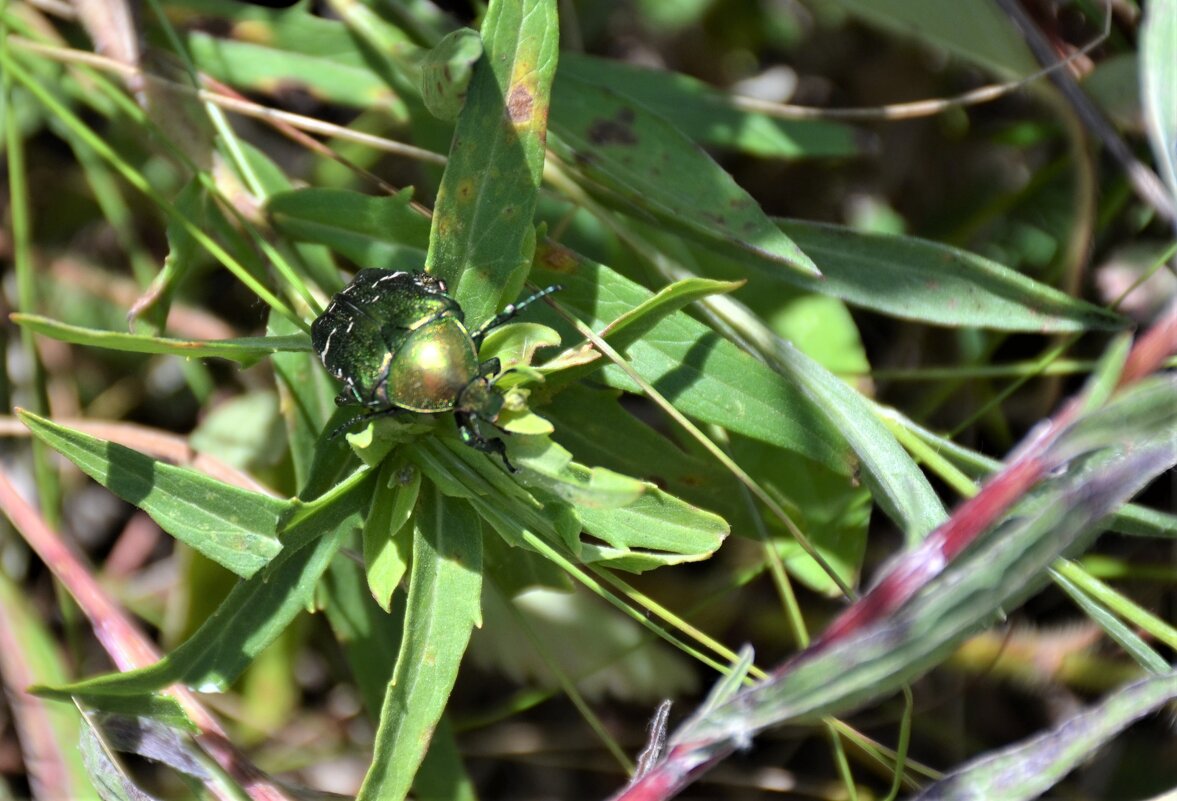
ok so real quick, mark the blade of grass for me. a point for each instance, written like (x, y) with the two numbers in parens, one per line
(137, 180)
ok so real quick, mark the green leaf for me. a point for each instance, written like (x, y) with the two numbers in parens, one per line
(923, 280)
(442, 775)
(974, 29)
(917, 279)
(1030, 768)
(591, 423)
(706, 114)
(702, 374)
(443, 606)
(267, 69)
(183, 253)
(632, 326)
(656, 529)
(1158, 76)
(635, 531)
(1005, 566)
(896, 482)
(234, 527)
(482, 237)
(243, 350)
(387, 547)
(639, 161)
(163, 709)
(447, 70)
(257, 610)
(370, 231)
(546, 466)
(307, 395)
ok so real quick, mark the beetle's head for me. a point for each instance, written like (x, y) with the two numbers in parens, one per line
(480, 398)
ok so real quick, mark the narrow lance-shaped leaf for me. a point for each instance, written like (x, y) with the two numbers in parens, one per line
(1158, 75)
(387, 546)
(1030, 768)
(708, 115)
(260, 67)
(370, 231)
(916, 279)
(1004, 567)
(934, 283)
(257, 610)
(636, 159)
(243, 350)
(233, 527)
(443, 606)
(482, 237)
(701, 373)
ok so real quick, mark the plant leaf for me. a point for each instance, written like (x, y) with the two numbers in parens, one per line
(264, 68)
(235, 528)
(482, 236)
(705, 114)
(1031, 767)
(702, 374)
(358, 226)
(243, 350)
(1158, 76)
(1005, 566)
(974, 29)
(256, 611)
(636, 159)
(917, 279)
(446, 72)
(443, 606)
(387, 548)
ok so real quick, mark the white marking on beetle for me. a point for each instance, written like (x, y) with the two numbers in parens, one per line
(327, 344)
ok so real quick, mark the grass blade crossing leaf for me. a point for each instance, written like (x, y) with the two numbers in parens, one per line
(256, 611)
(640, 161)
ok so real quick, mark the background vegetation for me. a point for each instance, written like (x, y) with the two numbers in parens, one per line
(803, 317)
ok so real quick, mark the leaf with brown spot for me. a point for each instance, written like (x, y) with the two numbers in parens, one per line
(483, 239)
(636, 160)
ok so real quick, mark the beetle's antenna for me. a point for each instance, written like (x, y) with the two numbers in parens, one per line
(510, 311)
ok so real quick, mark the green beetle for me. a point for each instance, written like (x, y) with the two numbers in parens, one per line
(399, 343)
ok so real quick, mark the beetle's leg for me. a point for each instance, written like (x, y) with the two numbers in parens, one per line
(469, 434)
(389, 412)
(490, 369)
(510, 311)
(349, 395)
(374, 397)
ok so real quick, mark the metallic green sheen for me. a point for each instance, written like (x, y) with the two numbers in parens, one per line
(432, 367)
(399, 343)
